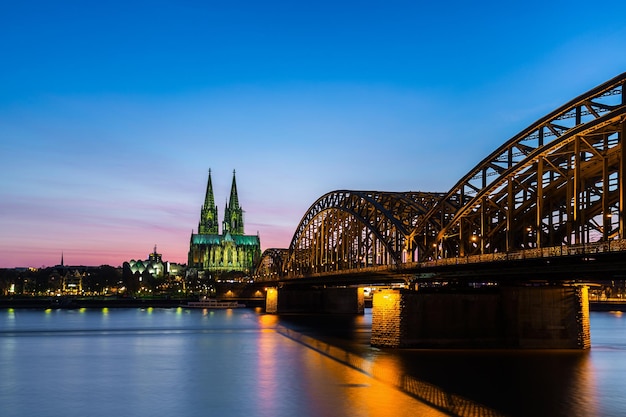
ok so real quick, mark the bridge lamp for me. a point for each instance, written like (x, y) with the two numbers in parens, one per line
(474, 238)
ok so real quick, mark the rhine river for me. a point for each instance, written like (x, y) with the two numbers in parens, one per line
(243, 363)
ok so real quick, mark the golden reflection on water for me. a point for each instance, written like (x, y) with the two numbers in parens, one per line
(363, 394)
(583, 402)
(268, 320)
(327, 385)
(384, 387)
(267, 389)
(269, 365)
(389, 370)
(569, 382)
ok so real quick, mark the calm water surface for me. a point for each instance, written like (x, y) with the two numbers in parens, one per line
(166, 362)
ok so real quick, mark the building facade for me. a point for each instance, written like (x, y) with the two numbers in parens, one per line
(229, 253)
(155, 265)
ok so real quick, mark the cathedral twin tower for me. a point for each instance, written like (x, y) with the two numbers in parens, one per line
(230, 253)
(233, 214)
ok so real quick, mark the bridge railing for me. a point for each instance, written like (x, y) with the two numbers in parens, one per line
(532, 253)
(367, 269)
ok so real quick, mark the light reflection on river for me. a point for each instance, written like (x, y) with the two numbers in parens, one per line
(151, 362)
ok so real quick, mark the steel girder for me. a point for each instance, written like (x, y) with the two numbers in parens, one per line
(346, 230)
(557, 182)
(270, 265)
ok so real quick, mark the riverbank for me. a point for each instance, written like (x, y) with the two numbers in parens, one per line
(164, 302)
(106, 302)
(611, 305)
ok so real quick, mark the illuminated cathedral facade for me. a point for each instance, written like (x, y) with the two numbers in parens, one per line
(230, 252)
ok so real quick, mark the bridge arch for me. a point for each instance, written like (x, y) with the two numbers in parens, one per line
(541, 187)
(356, 229)
(271, 264)
(558, 182)
(347, 230)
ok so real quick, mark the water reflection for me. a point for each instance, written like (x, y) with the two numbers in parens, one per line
(244, 363)
(386, 375)
(517, 383)
(267, 366)
(488, 382)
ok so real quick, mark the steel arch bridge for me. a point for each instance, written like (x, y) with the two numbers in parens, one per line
(560, 182)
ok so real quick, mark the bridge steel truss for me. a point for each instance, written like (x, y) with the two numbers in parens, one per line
(350, 230)
(558, 182)
(271, 263)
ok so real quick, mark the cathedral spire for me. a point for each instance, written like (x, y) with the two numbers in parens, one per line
(209, 201)
(208, 215)
(233, 215)
(234, 198)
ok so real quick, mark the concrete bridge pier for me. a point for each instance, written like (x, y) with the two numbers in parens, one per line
(292, 299)
(542, 317)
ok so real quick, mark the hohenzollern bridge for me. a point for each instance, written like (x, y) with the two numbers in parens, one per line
(556, 188)
(504, 258)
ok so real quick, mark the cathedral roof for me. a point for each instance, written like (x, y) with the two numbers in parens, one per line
(239, 240)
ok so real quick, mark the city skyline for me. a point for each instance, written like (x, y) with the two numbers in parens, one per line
(112, 115)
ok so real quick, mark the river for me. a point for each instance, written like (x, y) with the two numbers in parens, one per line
(243, 363)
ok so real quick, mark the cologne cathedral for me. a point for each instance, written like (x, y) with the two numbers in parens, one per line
(231, 253)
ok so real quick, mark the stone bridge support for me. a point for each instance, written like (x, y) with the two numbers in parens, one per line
(544, 317)
(314, 300)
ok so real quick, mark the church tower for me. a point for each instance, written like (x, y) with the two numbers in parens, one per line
(209, 224)
(233, 213)
(229, 254)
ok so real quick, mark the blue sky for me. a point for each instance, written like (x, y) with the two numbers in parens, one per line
(112, 113)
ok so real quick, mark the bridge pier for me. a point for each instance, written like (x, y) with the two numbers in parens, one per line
(293, 299)
(545, 317)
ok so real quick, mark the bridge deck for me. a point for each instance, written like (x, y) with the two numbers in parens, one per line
(590, 262)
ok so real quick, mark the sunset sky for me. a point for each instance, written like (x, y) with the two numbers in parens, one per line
(112, 113)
